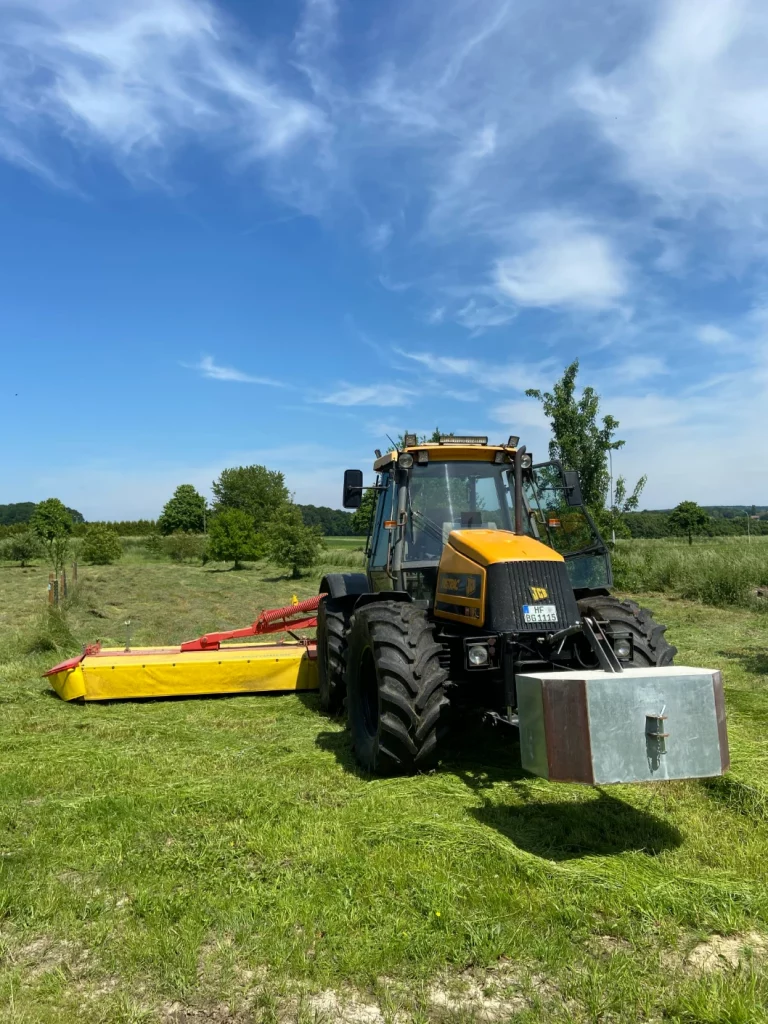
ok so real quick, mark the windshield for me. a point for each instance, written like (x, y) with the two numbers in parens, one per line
(446, 496)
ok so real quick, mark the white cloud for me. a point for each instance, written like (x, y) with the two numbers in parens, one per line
(565, 264)
(711, 334)
(688, 111)
(140, 78)
(381, 395)
(208, 368)
(518, 414)
(636, 368)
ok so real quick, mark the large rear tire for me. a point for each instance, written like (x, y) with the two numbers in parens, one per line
(396, 689)
(650, 648)
(332, 626)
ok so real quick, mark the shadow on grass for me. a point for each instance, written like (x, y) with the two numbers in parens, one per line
(754, 661)
(482, 756)
(567, 829)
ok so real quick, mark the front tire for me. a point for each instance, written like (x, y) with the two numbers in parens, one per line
(396, 688)
(332, 626)
(650, 648)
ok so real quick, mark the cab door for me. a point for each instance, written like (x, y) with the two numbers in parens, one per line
(382, 538)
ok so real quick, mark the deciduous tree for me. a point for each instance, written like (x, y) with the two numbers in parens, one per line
(231, 537)
(52, 523)
(688, 518)
(292, 545)
(256, 490)
(581, 442)
(184, 511)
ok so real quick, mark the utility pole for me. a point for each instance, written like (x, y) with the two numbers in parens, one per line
(613, 500)
(749, 525)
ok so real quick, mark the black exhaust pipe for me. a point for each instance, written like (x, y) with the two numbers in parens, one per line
(519, 490)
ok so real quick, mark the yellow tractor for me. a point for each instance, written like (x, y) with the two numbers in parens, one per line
(488, 585)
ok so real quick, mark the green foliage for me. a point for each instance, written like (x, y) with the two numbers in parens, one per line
(22, 511)
(101, 545)
(183, 547)
(656, 525)
(23, 547)
(611, 521)
(231, 536)
(292, 545)
(52, 522)
(332, 521)
(362, 517)
(184, 511)
(256, 490)
(580, 442)
(688, 518)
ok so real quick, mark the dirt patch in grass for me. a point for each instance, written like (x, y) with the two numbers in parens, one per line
(47, 954)
(726, 952)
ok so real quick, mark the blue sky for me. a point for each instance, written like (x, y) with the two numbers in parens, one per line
(277, 231)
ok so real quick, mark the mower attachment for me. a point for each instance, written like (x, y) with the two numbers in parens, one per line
(200, 666)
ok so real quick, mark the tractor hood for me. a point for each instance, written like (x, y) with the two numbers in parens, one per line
(486, 547)
(503, 581)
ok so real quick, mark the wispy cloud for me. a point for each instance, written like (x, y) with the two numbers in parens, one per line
(382, 395)
(210, 369)
(138, 79)
(491, 376)
(686, 113)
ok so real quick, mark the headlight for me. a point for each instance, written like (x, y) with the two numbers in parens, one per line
(477, 656)
(405, 461)
(623, 650)
(526, 461)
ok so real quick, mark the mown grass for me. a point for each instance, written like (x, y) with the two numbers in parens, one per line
(212, 860)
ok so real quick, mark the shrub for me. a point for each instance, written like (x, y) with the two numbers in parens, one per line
(183, 547)
(232, 537)
(23, 548)
(101, 545)
(153, 545)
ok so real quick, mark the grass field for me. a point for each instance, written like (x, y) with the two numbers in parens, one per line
(224, 860)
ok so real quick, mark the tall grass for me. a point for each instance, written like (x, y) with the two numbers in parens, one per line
(719, 573)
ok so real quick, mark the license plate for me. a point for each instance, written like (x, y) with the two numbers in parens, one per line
(539, 613)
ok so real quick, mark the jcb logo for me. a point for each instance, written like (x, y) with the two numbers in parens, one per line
(539, 593)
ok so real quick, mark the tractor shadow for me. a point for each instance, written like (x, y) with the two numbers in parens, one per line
(560, 830)
(485, 757)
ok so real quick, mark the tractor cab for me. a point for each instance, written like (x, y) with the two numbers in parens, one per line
(427, 492)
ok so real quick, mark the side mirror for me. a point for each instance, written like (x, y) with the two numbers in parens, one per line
(353, 488)
(572, 487)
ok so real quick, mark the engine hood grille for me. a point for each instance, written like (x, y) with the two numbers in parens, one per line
(511, 586)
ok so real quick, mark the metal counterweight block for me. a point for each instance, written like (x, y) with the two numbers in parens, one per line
(641, 725)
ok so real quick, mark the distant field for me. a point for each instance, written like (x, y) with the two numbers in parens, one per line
(212, 861)
(350, 543)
